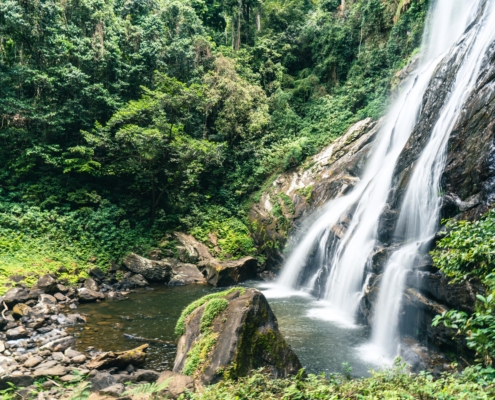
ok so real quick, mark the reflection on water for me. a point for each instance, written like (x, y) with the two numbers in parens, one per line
(321, 342)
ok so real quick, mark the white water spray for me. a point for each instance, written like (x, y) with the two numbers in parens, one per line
(418, 219)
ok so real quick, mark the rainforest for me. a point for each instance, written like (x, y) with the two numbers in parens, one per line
(322, 160)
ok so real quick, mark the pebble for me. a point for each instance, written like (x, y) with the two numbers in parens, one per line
(33, 362)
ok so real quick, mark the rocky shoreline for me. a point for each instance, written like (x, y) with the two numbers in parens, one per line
(34, 341)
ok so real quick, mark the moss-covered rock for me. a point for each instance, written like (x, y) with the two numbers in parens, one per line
(231, 334)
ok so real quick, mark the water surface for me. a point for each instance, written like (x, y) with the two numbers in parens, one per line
(322, 343)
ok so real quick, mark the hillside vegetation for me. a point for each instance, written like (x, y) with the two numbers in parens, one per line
(122, 120)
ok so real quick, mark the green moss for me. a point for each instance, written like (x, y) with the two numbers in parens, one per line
(306, 192)
(196, 357)
(180, 328)
(212, 310)
(287, 202)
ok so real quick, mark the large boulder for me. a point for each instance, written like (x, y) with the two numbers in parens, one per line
(232, 333)
(158, 271)
(47, 283)
(15, 296)
(184, 274)
(228, 273)
(191, 250)
(87, 295)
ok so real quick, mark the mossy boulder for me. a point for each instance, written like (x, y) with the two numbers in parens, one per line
(230, 334)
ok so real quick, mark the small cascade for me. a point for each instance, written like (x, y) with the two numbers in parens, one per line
(419, 214)
(338, 241)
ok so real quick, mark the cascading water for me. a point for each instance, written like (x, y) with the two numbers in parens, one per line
(343, 260)
(419, 214)
(348, 260)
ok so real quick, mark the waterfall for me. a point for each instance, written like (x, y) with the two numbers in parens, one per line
(419, 214)
(342, 259)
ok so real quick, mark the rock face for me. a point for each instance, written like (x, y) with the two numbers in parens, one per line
(157, 271)
(228, 273)
(295, 194)
(233, 334)
(168, 270)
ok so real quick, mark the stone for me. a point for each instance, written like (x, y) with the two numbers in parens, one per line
(158, 271)
(69, 378)
(47, 283)
(185, 274)
(62, 288)
(191, 250)
(97, 273)
(21, 310)
(112, 391)
(119, 359)
(177, 384)
(79, 359)
(248, 338)
(15, 296)
(60, 297)
(57, 370)
(36, 323)
(17, 333)
(71, 353)
(145, 375)
(87, 295)
(2, 346)
(58, 356)
(59, 344)
(228, 273)
(32, 362)
(47, 364)
(138, 280)
(91, 284)
(47, 299)
(101, 380)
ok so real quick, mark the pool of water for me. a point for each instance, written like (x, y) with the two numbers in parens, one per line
(322, 341)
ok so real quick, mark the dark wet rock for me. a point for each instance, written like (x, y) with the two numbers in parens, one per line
(15, 296)
(47, 283)
(90, 284)
(97, 273)
(145, 375)
(228, 273)
(248, 339)
(18, 381)
(17, 333)
(177, 384)
(101, 381)
(87, 295)
(120, 359)
(138, 280)
(151, 270)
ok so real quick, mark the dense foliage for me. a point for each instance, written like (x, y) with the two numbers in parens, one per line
(394, 384)
(170, 114)
(467, 251)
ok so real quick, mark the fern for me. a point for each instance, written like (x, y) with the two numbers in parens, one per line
(146, 388)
